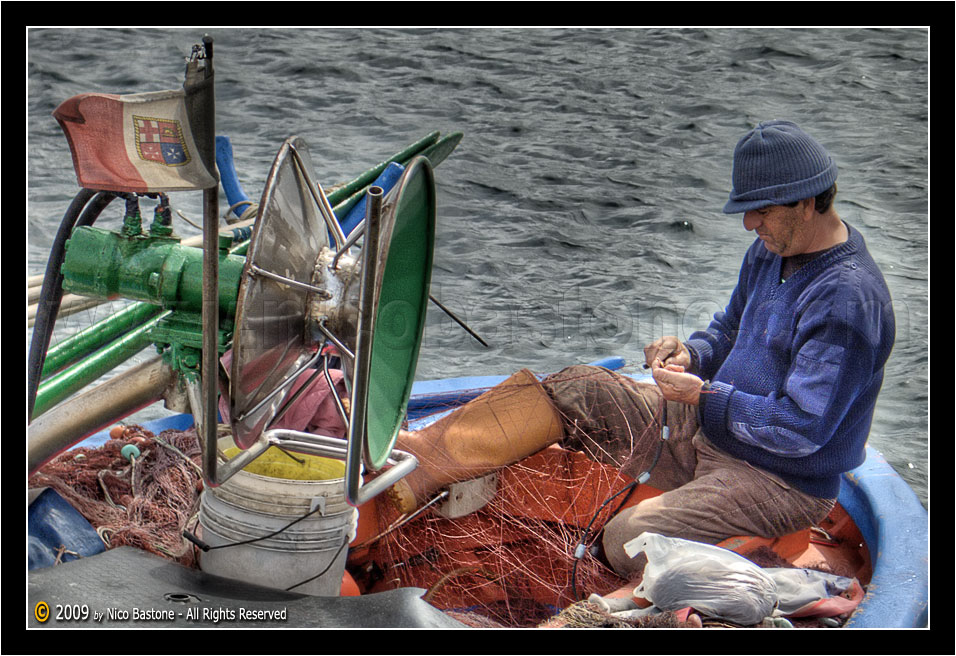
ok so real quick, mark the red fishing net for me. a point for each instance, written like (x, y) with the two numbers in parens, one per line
(145, 502)
(515, 562)
(518, 560)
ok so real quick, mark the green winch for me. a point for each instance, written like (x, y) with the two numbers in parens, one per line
(154, 267)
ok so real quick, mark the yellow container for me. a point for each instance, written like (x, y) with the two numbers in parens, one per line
(276, 463)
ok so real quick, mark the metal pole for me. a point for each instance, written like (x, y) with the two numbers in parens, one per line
(363, 347)
(210, 282)
(210, 318)
(95, 409)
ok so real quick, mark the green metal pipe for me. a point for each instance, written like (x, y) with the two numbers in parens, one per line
(106, 264)
(365, 179)
(72, 379)
(90, 339)
(435, 151)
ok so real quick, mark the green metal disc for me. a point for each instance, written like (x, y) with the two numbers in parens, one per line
(404, 281)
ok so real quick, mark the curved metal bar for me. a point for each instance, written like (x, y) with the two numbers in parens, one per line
(342, 348)
(255, 269)
(288, 403)
(281, 386)
(353, 237)
(318, 195)
(338, 402)
(337, 448)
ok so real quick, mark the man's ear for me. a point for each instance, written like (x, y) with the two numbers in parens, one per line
(807, 207)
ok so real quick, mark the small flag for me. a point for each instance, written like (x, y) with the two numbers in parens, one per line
(138, 143)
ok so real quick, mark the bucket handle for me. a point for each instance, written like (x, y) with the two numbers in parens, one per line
(402, 463)
(215, 473)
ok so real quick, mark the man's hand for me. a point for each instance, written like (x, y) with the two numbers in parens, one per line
(669, 350)
(675, 383)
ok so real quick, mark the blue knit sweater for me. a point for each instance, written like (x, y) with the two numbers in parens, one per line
(796, 366)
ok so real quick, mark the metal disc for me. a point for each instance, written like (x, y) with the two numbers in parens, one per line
(405, 254)
(271, 341)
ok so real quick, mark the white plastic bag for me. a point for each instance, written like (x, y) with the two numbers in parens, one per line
(807, 592)
(713, 580)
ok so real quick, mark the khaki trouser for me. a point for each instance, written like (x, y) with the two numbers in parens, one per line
(708, 495)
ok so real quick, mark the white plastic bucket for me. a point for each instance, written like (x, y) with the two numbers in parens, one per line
(253, 505)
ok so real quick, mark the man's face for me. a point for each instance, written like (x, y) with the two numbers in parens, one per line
(778, 226)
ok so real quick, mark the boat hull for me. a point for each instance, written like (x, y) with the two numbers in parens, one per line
(891, 520)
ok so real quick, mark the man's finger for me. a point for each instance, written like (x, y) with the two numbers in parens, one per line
(661, 374)
(661, 348)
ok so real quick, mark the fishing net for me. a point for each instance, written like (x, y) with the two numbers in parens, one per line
(145, 502)
(529, 557)
(583, 614)
(517, 561)
(513, 561)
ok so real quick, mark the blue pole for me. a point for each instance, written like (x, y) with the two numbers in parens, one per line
(228, 176)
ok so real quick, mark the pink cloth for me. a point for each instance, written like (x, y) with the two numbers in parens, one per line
(313, 412)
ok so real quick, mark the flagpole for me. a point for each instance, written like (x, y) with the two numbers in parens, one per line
(210, 290)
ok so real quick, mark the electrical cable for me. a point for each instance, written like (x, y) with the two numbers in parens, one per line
(83, 211)
(581, 547)
(207, 547)
(331, 562)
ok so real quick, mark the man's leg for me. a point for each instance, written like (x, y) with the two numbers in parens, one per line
(616, 420)
(612, 418)
(727, 497)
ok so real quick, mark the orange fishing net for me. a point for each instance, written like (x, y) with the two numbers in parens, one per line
(511, 563)
(513, 560)
(516, 561)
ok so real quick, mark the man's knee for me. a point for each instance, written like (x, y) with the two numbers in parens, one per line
(624, 527)
(574, 377)
(576, 395)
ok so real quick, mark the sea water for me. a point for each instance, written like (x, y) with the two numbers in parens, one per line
(580, 215)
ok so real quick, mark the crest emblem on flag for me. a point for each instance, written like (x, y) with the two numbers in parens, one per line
(160, 140)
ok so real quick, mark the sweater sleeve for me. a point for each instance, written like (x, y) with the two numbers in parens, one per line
(831, 366)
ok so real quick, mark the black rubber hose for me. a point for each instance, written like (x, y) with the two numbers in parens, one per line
(90, 203)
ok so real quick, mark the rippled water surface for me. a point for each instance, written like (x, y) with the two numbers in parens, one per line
(580, 216)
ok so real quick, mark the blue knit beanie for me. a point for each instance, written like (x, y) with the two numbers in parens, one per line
(778, 163)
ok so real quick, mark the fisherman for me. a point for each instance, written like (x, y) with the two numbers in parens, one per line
(767, 407)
